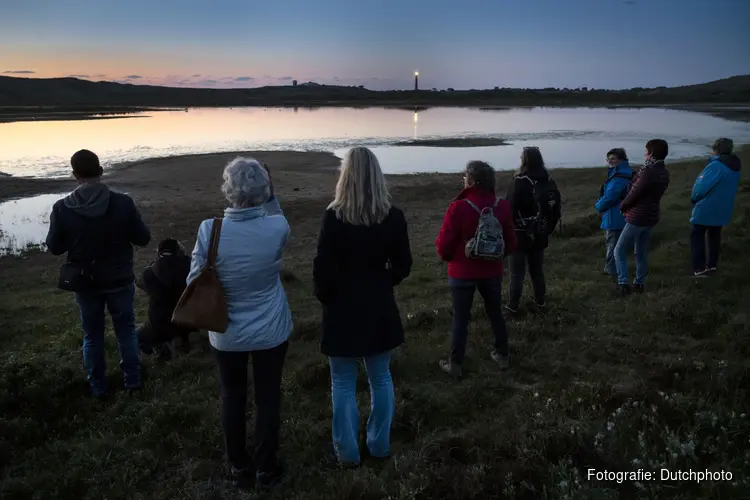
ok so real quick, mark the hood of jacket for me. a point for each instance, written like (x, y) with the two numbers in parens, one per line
(732, 161)
(90, 199)
(622, 168)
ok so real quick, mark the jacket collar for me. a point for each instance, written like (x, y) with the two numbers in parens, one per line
(622, 168)
(241, 214)
(473, 192)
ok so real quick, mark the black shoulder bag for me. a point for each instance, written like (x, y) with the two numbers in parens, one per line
(77, 276)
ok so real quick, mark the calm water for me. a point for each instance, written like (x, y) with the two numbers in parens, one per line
(24, 222)
(569, 137)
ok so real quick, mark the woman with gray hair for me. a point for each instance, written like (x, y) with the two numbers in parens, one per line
(253, 235)
(363, 253)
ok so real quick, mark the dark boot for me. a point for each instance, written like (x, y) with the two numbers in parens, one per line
(622, 290)
(243, 479)
(639, 288)
(268, 479)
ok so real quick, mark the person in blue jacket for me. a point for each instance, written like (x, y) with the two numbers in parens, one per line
(612, 192)
(713, 202)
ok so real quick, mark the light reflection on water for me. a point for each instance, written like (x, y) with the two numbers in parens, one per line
(568, 136)
(24, 222)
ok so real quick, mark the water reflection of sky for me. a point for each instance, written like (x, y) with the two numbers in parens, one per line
(568, 136)
(24, 222)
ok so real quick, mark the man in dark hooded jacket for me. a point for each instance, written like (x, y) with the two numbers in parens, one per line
(97, 228)
(713, 199)
(164, 281)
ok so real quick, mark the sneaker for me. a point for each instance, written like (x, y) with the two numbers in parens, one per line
(622, 290)
(639, 288)
(268, 479)
(243, 479)
(502, 361)
(451, 368)
(510, 312)
(711, 270)
(538, 304)
(701, 274)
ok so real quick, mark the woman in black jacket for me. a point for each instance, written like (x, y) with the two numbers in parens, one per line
(363, 253)
(531, 245)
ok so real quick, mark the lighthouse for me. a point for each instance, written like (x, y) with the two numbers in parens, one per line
(416, 80)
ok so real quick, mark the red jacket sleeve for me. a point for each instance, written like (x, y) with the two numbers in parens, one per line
(509, 229)
(449, 235)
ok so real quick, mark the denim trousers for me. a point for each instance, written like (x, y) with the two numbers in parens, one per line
(610, 241)
(119, 303)
(518, 261)
(345, 427)
(700, 236)
(637, 237)
(268, 365)
(462, 292)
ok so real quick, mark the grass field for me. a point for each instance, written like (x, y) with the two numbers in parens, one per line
(653, 381)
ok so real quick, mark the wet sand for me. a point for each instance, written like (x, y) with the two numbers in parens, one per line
(177, 177)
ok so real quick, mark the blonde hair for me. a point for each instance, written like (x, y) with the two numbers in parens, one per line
(362, 197)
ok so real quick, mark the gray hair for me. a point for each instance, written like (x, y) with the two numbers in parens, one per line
(723, 146)
(246, 183)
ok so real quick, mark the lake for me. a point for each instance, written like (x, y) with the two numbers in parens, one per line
(568, 137)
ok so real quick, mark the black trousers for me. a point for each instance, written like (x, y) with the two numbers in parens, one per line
(267, 368)
(698, 240)
(518, 261)
(462, 292)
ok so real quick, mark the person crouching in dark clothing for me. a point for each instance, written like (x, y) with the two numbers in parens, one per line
(164, 281)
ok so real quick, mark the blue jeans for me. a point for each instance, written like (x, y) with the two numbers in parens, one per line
(613, 236)
(638, 237)
(119, 303)
(344, 373)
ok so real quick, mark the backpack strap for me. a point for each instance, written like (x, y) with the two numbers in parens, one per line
(497, 200)
(473, 206)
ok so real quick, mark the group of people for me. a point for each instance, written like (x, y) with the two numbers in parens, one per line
(363, 252)
(629, 204)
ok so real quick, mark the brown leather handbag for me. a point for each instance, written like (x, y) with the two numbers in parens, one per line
(203, 305)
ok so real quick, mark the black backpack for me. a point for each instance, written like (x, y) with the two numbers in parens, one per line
(548, 207)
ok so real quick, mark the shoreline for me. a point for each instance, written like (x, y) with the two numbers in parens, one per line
(152, 175)
(739, 111)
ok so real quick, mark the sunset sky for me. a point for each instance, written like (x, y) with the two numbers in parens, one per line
(379, 44)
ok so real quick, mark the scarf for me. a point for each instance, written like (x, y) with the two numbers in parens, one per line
(651, 163)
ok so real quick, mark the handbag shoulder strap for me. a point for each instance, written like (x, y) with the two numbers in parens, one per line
(213, 245)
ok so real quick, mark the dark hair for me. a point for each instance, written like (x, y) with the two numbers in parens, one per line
(619, 153)
(723, 146)
(532, 163)
(481, 174)
(658, 148)
(86, 164)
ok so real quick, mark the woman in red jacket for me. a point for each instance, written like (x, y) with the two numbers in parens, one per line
(466, 274)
